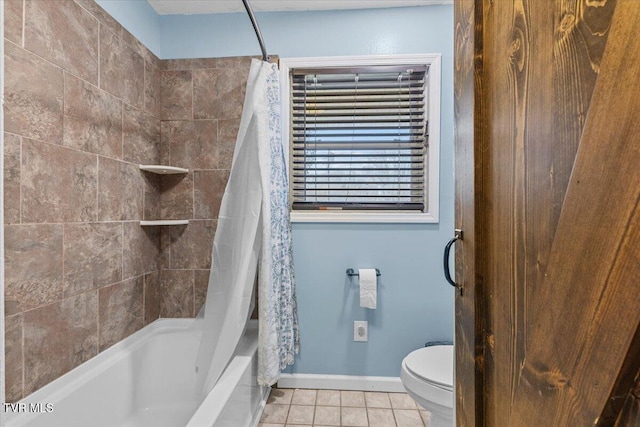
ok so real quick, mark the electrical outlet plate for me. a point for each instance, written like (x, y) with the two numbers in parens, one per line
(361, 330)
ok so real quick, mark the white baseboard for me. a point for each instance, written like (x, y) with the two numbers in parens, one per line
(341, 382)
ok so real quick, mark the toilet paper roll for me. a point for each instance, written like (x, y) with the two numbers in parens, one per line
(368, 288)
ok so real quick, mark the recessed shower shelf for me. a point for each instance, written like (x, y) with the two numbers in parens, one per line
(164, 222)
(163, 170)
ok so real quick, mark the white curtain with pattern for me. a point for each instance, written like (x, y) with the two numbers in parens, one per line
(253, 229)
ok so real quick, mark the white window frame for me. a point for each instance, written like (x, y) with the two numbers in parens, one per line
(433, 61)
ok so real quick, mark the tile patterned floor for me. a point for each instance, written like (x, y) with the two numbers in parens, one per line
(299, 407)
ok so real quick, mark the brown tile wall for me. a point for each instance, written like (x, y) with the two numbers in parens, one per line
(201, 106)
(86, 103)
(82, 111)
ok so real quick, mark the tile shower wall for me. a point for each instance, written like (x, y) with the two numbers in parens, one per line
(82, 110)
(85, 104)
(201, 105)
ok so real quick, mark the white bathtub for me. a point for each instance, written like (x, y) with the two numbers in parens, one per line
(148, 380)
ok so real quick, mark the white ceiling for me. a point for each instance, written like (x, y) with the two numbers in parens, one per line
(187, 7)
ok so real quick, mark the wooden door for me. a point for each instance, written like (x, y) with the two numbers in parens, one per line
(547, 102)
(469, 307)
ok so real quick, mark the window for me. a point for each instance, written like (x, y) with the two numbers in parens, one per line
(363, 136)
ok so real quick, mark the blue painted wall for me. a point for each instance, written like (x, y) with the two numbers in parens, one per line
(319, 33)
(415, 304)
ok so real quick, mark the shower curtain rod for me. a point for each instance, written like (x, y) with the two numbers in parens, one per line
(247, 6)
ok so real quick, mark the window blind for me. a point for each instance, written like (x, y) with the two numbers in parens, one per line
(358, 138)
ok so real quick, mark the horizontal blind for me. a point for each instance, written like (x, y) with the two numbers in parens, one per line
(359, 138)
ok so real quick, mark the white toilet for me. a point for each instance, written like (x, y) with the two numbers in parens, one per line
(427, 375)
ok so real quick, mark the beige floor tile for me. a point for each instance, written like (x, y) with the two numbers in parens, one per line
(408, 418)
(304, 397)
(280, 396)
(381, 417)
(327, 416)
(352, 398)
(426, 417)
(377, 400)
(299, 414)
(402, 401)
(354, 417)
(270, 425)
(328, 398)
(274, 414)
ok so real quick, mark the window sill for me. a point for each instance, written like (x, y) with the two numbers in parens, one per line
(362, 217)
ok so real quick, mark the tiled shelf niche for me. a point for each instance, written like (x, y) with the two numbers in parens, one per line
(164, 170)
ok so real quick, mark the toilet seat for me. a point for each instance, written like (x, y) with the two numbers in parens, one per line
(433, 365)
(427, 375)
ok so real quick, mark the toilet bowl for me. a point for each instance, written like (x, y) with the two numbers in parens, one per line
(427, 375)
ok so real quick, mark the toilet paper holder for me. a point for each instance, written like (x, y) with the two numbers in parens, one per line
(351, 272)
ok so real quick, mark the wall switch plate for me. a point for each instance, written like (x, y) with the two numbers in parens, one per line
(361, 330)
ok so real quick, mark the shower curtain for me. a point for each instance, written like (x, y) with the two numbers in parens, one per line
(253, 227)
